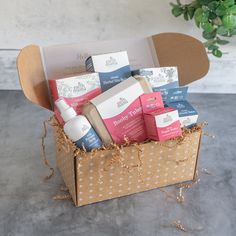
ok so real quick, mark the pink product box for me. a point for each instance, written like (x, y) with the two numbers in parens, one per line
(162, 124)
(151, 102)
(76, 91)
(121, 111)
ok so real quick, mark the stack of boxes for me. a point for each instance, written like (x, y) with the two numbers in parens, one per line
(162, 123)
(149, 105)
(177, 98)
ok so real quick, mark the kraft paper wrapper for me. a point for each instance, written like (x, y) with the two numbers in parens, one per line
(105, 174)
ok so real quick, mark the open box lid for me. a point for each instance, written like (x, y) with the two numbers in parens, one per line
(36, 65)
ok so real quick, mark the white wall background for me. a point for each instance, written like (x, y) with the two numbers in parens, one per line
(58, 21)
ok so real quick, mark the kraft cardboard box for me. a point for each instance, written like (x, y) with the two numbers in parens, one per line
(105, 174)
(108, 174)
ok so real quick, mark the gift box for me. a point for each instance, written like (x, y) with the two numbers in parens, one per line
(131, 168)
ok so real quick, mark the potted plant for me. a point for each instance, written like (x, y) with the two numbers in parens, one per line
(216, 18)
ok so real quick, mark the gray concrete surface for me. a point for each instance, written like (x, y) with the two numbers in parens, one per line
(27, 207)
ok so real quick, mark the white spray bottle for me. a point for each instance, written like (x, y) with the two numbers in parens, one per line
(77, 127)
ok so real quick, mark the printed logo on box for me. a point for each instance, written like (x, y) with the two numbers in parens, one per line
(186, 122)
(167, 119)
(111, 61)
(121, 102)
(85, 128)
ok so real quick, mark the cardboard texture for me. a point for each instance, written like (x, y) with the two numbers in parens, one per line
(107, 174)
(101, 176)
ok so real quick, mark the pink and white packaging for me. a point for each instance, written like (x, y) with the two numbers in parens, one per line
(162, 124)
(151, 102)
(76, 90)
(121, 111)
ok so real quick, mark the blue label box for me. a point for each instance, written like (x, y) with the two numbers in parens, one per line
(112, 68)
(160, 78)
(177, 98)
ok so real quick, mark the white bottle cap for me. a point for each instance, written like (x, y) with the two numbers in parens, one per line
(61, 104)
(67, 112)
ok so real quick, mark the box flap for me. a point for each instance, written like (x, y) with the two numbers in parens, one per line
(183, 51)
(172, 49)
(32, 77)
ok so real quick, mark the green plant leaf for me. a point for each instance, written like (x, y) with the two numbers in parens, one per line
(212, 15)
(221, 41)
(229, 21)
(186, 15)
(222, 30)
(213, 5)
(217, 53)
(207, 27)
(228, 3)
(221, 10)
(215, 17)
(200, 16)
(209, 35)
(209, 42)
(191, 11)
(177, 11)
(197, 16)
(232, 10)
(205, 8)
(212, 47)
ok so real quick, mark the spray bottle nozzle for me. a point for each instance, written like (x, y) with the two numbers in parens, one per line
(66, 111)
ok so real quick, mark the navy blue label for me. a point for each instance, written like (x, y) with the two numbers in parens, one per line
(110, 79)
(176, 94)
(183, 107)
(171, 85)
(142, 72)
(89, 141)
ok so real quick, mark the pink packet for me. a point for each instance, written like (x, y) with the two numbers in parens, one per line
(151, 102)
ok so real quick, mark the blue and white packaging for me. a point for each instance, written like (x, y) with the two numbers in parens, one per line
(177, 98)
(160, 78)
(111, 67)
(77, 127)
